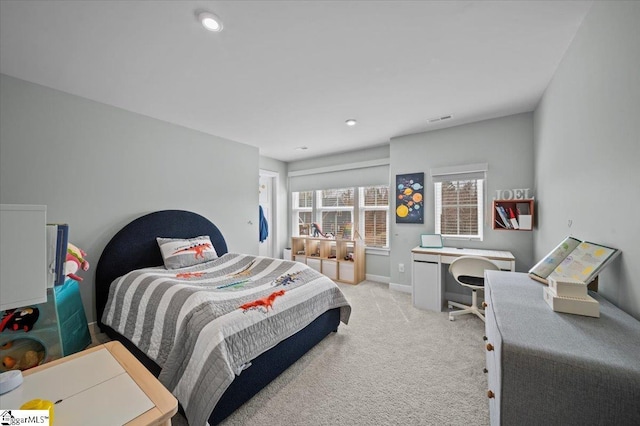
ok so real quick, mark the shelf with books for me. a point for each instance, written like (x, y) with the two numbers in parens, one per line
(513, 215)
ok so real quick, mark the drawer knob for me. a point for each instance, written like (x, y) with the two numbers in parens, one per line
(490, 394)
(484, 304)
(489, 347)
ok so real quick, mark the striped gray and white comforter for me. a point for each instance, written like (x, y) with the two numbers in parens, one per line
(204, 324)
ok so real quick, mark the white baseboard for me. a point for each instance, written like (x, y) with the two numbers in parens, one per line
(378, 278)
(97, 336)
(400, 287)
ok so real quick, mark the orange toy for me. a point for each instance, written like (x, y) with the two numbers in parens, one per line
(9, 362)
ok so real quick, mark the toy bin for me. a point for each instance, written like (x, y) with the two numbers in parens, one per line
(37, 334)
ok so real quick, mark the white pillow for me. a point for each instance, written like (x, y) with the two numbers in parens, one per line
(180, 252)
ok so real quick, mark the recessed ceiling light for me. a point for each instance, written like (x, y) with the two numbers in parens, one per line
(351, 122)
(210, 21)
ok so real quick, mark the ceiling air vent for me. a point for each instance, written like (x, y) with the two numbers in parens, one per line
(442, 118)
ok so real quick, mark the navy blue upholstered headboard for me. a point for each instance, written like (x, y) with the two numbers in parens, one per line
(135, 246)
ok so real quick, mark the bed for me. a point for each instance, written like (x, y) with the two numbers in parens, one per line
(214, 332)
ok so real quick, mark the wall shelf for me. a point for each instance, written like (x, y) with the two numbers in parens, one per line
(519, 215)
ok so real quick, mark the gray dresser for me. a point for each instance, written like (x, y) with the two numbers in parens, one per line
(551, 368)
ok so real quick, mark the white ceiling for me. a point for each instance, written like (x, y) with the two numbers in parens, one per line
(285, 74)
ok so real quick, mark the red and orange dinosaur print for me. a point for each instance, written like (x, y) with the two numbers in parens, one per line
(189, 275)
(197, 249)
(263, 304)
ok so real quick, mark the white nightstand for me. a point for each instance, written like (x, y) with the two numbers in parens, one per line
(104, 385)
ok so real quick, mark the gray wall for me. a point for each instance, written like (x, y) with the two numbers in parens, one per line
(98, 167)
(506, 144)
(375, 153)
(587, 147)
(281, 204)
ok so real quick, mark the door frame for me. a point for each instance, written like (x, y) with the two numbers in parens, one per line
(273, 223)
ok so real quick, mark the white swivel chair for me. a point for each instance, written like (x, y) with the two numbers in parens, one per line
(469, 272)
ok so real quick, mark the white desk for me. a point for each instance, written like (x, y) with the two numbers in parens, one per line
(427, 279)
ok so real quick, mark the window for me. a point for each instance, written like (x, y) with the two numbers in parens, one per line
(335, 207)
(374, 215)
(459, 200)
(459, 208)
(302, 210)
(367, 208)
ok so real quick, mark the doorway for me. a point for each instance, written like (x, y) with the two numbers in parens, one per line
(268, 199)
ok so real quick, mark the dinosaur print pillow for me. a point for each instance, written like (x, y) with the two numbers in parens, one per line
(180, 253)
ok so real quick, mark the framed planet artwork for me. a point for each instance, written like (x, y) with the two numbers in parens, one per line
(410, 198)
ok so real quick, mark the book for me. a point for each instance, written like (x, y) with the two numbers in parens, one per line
(57, 241)
(52, 237)
(513, 220)
(572, 305)
(573, 259)
(503, 217)
(566, 287)
(500, 224)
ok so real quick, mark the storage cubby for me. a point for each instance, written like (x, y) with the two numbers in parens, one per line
(513, 215)
(328, 257)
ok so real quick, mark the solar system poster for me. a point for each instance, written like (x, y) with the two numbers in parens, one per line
(410, 198)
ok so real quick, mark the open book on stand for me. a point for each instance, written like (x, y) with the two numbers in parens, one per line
(573, 259)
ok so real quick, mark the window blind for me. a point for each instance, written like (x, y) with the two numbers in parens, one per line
(459, 198)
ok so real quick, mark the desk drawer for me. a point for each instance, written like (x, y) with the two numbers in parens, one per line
(505, 265)
(421, 257)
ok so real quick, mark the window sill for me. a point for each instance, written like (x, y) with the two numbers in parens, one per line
(454, 238)
(377, 251)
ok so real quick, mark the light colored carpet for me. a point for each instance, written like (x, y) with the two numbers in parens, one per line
(392, 365)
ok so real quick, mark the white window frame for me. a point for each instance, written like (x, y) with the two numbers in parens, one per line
(362, 209)
(295, 212)
(477, 172)
(320, 208)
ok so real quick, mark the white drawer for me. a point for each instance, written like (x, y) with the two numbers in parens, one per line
(330, 269)
(314, 264)
(421, 257)
(346, 272)
(505, 265)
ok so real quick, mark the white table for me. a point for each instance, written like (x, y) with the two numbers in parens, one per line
(427, 279)
(104, 385)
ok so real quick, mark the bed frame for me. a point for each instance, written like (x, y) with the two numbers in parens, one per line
(135, 247)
